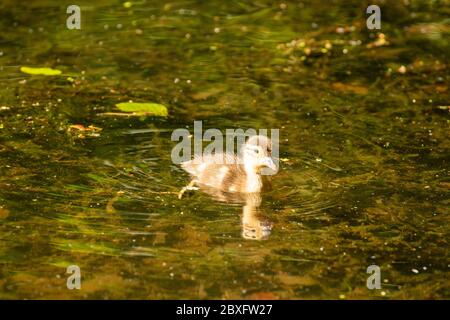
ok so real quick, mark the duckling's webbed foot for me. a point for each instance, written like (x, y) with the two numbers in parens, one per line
(190, 186)
(259, 231)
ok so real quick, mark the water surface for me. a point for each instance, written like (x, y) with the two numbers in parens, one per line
(364, 148)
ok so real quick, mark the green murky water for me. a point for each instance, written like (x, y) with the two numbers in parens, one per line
(364, 128)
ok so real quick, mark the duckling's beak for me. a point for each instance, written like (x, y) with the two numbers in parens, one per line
(268, 162)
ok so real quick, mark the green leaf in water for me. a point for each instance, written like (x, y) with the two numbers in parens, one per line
(142, 109)
(41, 71)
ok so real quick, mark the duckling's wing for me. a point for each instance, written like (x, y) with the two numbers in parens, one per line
(200, 164)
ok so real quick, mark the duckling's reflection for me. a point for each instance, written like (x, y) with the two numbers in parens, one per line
(254, 226)
(236, 178)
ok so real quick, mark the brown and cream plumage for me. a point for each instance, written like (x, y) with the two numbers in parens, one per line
(231, 173)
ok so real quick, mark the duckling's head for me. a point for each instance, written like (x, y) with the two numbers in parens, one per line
(256, 154)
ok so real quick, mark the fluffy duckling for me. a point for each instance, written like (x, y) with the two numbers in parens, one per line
(231, 173)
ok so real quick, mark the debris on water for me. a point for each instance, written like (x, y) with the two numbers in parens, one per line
(110, 205)
(83, 132)
(353, 88)
(402, 69)
(4, 213)
(379, 42)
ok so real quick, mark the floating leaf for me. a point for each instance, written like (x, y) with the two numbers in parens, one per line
(143, 109)
(41, 71)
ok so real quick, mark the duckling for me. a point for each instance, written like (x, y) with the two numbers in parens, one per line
(231, 173)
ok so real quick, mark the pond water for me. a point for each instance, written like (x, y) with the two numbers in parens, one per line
(364, 148)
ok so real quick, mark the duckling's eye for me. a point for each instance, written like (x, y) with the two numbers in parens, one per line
(256, 151)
